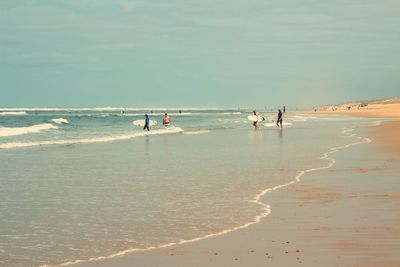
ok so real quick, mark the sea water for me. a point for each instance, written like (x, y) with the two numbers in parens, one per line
(84, 184)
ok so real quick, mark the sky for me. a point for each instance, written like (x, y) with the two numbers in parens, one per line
(208, 53)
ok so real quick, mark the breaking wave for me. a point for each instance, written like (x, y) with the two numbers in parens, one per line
(171, 130)
(232, 113)
(13, 113)
(60, 121)
(26, 130)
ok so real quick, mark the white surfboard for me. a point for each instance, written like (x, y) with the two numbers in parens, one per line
(255, 118)
(141, 123)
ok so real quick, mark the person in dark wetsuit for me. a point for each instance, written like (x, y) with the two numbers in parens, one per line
(280, 118)
(284, 109)
(146, 122)
(255, 122)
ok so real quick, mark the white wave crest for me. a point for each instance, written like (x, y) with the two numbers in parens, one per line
(26, 130)
(60, 121)
(232, 113)
(170, 130)
(132, 115)
(180, 114)
(197, 132)
(13, 113)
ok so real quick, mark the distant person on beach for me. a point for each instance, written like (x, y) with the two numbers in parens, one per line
(166, 120)
(146, 122)
(280, 118)
(284, 109)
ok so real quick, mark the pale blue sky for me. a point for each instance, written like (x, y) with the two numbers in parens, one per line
(85, 53)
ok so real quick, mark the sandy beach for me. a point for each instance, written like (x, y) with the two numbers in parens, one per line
(200, 134)
(387, 137)
(343, 216)
(389, 108)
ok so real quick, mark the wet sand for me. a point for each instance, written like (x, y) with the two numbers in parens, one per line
(344, 216)
(387, 136)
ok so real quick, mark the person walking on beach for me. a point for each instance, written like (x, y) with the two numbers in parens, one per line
(146, 122)
(284, 109)
(280, 118)
(166, 120)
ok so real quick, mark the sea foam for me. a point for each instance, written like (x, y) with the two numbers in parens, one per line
(171, 130)
(13, 113)
(60, 121)
(274, 124)
(26, 130)
(197, 132)
(232, 113)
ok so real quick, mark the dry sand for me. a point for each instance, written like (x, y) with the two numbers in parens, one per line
(346, 216)
(389, 108)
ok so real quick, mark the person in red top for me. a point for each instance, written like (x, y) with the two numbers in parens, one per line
(166, 120)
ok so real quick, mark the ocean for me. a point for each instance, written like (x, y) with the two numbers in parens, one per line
(86, 184)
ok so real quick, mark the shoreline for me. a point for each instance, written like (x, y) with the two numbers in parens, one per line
(108, 260)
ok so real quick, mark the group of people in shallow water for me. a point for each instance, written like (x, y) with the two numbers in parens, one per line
(279, 119)
(167, 119)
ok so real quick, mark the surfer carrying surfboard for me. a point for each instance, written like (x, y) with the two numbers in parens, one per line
(255, 118)
(255, 122)
(146, 122)
(280, 118)
(166, 120)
